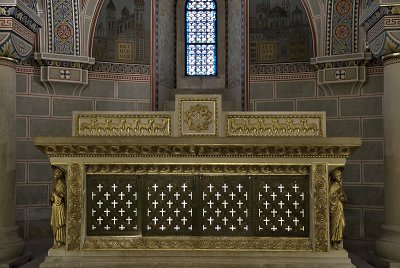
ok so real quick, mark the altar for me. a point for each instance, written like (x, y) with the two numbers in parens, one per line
(197, 187)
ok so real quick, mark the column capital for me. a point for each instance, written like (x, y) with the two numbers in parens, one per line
(19, 24)
(382, 25)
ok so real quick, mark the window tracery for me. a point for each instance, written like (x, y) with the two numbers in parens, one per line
(201, 36)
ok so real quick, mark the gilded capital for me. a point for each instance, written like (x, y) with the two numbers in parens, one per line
(19, 24)
(382, 25)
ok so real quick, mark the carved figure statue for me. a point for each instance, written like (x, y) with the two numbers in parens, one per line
(336, 198)
(58, 214)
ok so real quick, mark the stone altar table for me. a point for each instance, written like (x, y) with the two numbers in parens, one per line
(197, 188)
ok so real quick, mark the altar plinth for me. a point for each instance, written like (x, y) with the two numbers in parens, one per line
(197, 188)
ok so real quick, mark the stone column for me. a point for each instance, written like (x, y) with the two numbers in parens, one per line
(382, 25)
(18, 26)
(388, 246)
(11, 245)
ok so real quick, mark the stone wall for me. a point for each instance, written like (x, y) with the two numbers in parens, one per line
(42, 114)
(350, 114)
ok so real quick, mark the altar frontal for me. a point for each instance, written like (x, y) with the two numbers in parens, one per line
(198, 187)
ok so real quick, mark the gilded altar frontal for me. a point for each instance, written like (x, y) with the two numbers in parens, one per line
(212, 181)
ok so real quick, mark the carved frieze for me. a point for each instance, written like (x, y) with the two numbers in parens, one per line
(306, 125)
(169, 149)
(244, 243)
(122, 124)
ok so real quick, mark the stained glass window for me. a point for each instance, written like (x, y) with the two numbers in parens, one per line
(201, 36)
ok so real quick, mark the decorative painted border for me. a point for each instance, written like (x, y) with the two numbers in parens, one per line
(70, 25)
(12, 24)
(74, 207)
(348, 22)
(281, 68)
(321, 210)
(119, 77)
(120, 68)
(21, 16)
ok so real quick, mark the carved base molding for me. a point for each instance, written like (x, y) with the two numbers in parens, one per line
(197, 259)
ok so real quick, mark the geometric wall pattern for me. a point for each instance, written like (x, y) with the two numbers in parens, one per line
(63, 27)
(165, 205)
(342, 27)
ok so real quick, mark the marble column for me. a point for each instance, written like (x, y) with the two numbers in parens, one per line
(388, 246)
(381, 21)
(11, 245)
(19, 24)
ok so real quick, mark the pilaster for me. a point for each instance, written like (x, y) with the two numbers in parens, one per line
(18, 27)
(382, 24)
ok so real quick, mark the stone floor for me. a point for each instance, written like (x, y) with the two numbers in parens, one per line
(360, 252)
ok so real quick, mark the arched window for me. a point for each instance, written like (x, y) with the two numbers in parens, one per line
(201, 36)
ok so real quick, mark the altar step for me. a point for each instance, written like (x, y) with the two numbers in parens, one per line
(196, 259)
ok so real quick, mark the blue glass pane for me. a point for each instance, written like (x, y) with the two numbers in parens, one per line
(200, 4)
(201, 37)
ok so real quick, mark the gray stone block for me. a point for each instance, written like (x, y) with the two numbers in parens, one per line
(373, 173)
(373, 128)
(129, 90)
(21, 127)
(261, 90)
(373, 85)
(65, 107)
(143, 106)
(39, 222)
(343, 128)
(341, 89)
(99, 88)
(115, 106)
(353, 223)
(40, 172)
(370, 150)
(361, 106)
(274, 106)
(364, 195)
(329, 106)
(32, 195)
(33, 106)
(27, 151)
(352, 173)
(22, 83)
(373, 219)
(50, 127)
(296, 89)
(37, 86)
(20, 175)
(20, 217)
